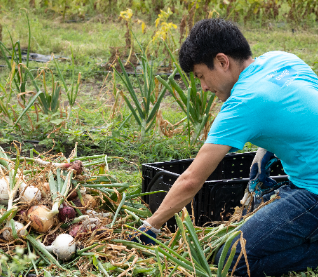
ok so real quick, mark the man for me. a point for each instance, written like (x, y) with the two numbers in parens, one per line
(272, 102)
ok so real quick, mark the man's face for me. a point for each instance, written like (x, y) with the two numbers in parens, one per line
(218, 80)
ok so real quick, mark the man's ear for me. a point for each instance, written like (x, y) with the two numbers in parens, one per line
(223, 61)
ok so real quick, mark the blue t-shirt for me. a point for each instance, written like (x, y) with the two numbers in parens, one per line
(274, 105)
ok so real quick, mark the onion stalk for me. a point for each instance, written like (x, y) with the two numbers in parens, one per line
(12, 184)
(77, 166)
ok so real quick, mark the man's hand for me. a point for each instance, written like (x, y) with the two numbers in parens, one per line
(258, 167)
(148, 229)
(260, 171)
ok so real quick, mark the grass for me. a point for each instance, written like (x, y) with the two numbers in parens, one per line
(93, 44)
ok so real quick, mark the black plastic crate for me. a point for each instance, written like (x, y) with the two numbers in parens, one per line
(220, 194)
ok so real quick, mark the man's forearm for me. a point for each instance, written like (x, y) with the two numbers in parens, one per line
(175, 201)
(189, 183)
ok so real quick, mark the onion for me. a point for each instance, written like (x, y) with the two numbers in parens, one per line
(77, 166)
(89, 202)
(29, 193)
(21, 215)
(89, 224)
(45, 190)
(63, 247)
(76, 228)
(4, 190)
(19, 227)
(74, 195)
(42, 218)
(66, 213)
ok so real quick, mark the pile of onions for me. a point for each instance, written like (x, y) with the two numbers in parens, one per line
(41, 217)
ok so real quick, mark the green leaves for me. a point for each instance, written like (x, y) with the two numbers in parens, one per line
(140, 105)
(222, 272)
(196, 105)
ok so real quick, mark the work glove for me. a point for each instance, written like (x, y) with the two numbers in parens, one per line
(260, 182)
(148, 229)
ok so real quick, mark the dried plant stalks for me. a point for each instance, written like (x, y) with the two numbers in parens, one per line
(166, 128)
(183, 25)
(191, 16)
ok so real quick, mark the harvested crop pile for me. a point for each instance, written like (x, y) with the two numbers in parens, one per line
(71, 218)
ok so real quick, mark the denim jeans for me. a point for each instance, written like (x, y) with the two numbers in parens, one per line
(282, 236)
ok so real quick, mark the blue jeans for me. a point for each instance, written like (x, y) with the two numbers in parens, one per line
(282, 236)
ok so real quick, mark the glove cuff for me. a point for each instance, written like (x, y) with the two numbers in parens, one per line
(156, 231)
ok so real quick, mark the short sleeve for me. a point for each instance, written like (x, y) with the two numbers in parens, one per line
(235, 125)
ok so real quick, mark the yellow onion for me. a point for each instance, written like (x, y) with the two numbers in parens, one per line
(89, 202)
(41, 217)
(45, 189)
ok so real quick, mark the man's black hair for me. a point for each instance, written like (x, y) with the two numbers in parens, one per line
(209, 37)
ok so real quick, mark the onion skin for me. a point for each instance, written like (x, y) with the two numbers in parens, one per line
(77, 166)
(41, 217)
(89, 224)
(29, 194)
(76, 228)
(7, 234)
(45, 190)
(72, 196)
(22, 214)
(66, 213)
(89, 202)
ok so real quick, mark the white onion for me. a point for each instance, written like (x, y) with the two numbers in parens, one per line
(63, 247)
(4, 190)
(30, 193)
(19, 227)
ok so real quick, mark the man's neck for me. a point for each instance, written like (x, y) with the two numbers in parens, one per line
(246, 63)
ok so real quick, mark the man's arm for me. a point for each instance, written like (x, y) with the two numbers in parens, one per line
(189, 183)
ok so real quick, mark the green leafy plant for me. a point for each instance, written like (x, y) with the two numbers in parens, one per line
(19, 74)
(72, 90)
(13, 265)
(17, 78)
(196, 105)
(145, 110)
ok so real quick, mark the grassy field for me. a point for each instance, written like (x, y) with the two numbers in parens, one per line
(96, 116)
